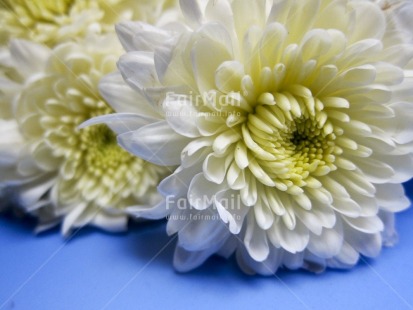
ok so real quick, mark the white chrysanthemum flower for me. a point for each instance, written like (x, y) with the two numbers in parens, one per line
(291, 123)
(50, 22)
(57, 169)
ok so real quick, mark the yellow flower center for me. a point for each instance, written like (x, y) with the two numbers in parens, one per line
(102, 171)
(41, 9)
(295, 136)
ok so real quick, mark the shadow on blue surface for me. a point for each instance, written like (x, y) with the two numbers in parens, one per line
(95, 269)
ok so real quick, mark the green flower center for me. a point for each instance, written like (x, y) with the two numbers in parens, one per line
(101, 151)
(41, 10)
(296, 139)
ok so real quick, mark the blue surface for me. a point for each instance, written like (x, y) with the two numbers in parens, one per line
(96, 270)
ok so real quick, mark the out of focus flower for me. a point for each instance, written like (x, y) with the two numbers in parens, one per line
(55, 169)
(51, 22)
(291, 123)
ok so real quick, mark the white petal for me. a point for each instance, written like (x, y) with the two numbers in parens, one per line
(30, 57)
(185, 261)
(399, 22)
(224, 141)
(202, 231)
(196, 151)
(293, 261)
(176, 185)
(376, 171)
(138, 69)
(181, 115)
(263, 214)
(354, 181)
(209, 125)
(178, 219)
(110, 222)
(201, 192)
(389, 234)
(204, 66)
(220, 11)
(70, 219)
(121, 122)
(122, 98)
(367, 244)
(346, 206)
(391, 197)
(293, 241)
(229, 75)
(328, 243)
(268, 267)
(32, 192)
(249, 193)
(247, 14)
(11, 143)
(403, 132)
(156, 143)
(346, 258)
(138, 36)
(398, 55)
(215, 168)
(192, 12)
(255, 240)
(315, 44)
(402, 165)
(369, 225)
(388, 74)
(230, 209)
(371, 17)
(272, 44)
(314, 263)
(217, 33)
(334, 16)
(8, 89)
(228, 248)
(151, 212)
(235, 177)
(164, 62)
(358, 76)
(317, 218)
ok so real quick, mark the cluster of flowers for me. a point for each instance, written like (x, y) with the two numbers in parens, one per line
(279, 131)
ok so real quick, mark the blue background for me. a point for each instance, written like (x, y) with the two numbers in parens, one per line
(97, 270)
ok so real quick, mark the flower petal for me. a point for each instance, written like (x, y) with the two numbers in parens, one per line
(391, 197)
(122, 98)
(151, 212)
(121, 122)
(185, 261)
(328, 243)
(139, 36)
(204, 66)
(110, 222)
(203, 230)
(293, 241)
(191, 11)
(201, 192)
(30, 57)
(181, 115)
(230, 209)
(255, 240)
(368, 225)
(156, 143)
